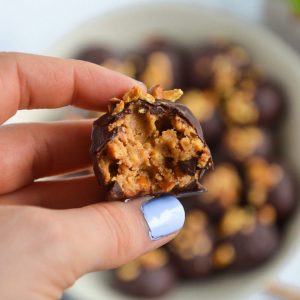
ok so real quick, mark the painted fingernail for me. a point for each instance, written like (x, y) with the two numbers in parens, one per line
(164, 216)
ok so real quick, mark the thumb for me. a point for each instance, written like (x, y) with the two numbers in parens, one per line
(106, 235)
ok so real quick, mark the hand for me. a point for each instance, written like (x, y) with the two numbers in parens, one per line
(52, 232)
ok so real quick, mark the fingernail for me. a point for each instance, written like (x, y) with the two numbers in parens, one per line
(164, 216)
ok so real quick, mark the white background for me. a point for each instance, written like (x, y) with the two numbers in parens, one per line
(34, 25)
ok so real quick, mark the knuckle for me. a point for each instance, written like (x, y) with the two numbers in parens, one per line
(49, 232)
(50, 242)
(120, 233)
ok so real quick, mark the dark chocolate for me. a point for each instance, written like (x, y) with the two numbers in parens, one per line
(271, 103)
(151, 284)
(203, 68)
(283, 197)
(188, 166)
(254, 247)
(192, 249)
(146, 276)
(95, 54)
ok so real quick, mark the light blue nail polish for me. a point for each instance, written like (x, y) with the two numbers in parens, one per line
(164, 216)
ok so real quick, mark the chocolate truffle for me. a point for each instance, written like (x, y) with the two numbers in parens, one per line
(149, 145)
(163, 62)
(95, 54)
(269, 183)
(205, 107)
(192, 248)
(150, 275)
(125, 64)
(248, 240)
(224, 187)
(242, 143)
(271, 102)
(218, 65)
(262, 103)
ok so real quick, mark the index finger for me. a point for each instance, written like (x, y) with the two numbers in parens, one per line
(33, 81)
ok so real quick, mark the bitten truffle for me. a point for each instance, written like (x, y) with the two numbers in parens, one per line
(149, 145)
(150, 275)
(192, 248)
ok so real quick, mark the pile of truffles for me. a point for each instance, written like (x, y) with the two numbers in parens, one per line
(238, 224)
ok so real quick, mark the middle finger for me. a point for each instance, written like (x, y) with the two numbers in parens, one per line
(35, 150)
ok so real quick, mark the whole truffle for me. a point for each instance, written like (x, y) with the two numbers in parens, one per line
(269, 183)
(262, 104)
(162, 62)
(205, 107)
(224, 190)
(149, 145)
(150, 275)
(218, 65)
(242, 143)
(249, 239)
(125, 64)
(192, 248)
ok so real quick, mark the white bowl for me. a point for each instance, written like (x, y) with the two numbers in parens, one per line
(127, 27)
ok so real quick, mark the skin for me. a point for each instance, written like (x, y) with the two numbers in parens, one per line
(54, 231)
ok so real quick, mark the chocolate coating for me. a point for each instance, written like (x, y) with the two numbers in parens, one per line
(151, 284)
(205, 106)
(254, 239)
(256, 247)
(191, 250)
(241, 144)
(271, 183)
(146, 277)
(213, 129)
(207, 61)
(95, 54)
(224, 190)
(271, 102)
(259, 103)
(283, 197)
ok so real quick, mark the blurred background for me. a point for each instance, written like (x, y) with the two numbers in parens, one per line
(239, 64)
